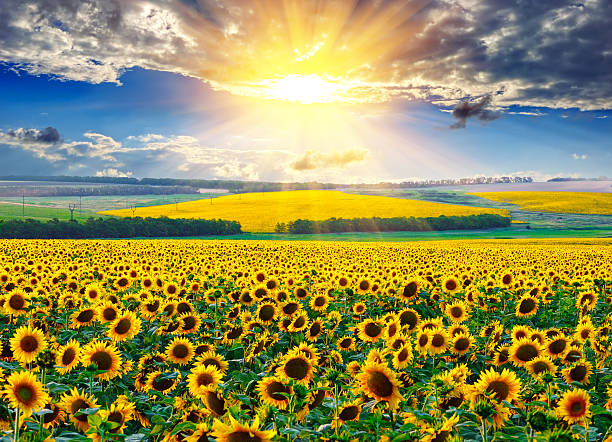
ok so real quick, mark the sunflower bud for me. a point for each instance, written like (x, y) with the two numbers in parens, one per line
(537, 420)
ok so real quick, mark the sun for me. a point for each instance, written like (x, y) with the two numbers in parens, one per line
(305, 89)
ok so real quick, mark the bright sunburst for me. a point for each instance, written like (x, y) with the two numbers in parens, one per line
(306, 89)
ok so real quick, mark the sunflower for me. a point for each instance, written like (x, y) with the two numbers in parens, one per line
(25, 392)
(578, 372)
(203, 378)
(180, 351)
(574, 406)
(557, 346)
(233, 334)
(236, 431)
(403, 356)
(266, 313)
(586, 301)
(299, 323)
(82, 318)
(107, 312)
(369, 330)
(104, 356)
(126, 326)
(68, 356)
(541, 365)
(348, 412)
(461, 343)
(27, 343)
(451, 285)
(380, 383)
(504, 386)
(319, 303)
(119, 413)
(54, 418)
(93, 293)
(163, 381)
(457, 311)
(359, 308)
(524, 350)
(363, 285)
(314, 330)
(345, 344)
(423, 340)
(74, 401)
(213, 359)
(438, 341)
(272, 391)
(16, 303)
(151, 307)
(296, 367)
(216, 403)
(526, 306)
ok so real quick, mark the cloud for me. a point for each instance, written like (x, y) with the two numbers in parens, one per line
(550, 53)
(578, 156)
(48, 135)
(475, 109)
(313, 159)
(115, 173)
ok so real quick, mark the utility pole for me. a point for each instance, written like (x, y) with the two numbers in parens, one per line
(133, 208)
(23, 206)
(72, 208)
(81, 202)
(176, 204)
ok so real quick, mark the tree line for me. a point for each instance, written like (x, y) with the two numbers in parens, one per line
(116, 228)
(398, 224)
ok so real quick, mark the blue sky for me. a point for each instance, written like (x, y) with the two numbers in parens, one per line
(130, 109)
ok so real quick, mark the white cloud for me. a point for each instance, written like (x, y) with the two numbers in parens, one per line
(578, 156)
(115, 173)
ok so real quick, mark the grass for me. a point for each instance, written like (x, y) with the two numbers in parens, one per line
(260, 212)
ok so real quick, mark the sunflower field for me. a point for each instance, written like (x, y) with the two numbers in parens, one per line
(244, 341)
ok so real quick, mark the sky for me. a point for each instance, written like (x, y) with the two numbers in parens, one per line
(306, 90)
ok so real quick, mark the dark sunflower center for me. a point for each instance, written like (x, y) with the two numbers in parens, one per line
(213, 362)
(423, 339)
(372, 330)
(301, 293)
(462, 344)
(296, 368)
(77, 405)
(50, 417)
(319, 301)
(315, 329)
(578, 373)
(299, 322)
(17, 302)
(116, 417)
(539, 367)
(266, 313)
(85, 315)
(242, 436)
(123, 326)
(204, 379)
(527, 305)
(349, 413)
(451, 285)
(102, 359)
(109, 314)
(456, 312)
(410, 290)
(409, 318)
(437, 340)
(180, 351)
(403, 355)
(364, 285)
(526, 353)
(234, 333)
(162, 384)
(215, 403)
(189, 322)
(25, 394)
(68, 356)
(152, 307)
(28, 344)
(577, 408)
(275, 388)
(380, 384)
(500, 389)
(507, 279)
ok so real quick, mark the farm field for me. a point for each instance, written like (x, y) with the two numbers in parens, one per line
(559, 202)
(268, 340)
(260, 212)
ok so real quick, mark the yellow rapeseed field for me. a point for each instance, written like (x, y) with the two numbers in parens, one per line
(259, 212)
(560, 202)
(274, 341)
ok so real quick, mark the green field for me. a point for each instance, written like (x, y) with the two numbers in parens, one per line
(46, 208)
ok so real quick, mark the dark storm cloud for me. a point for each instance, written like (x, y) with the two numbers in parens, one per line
(476, 109)
(48, 135)
(545, 53)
